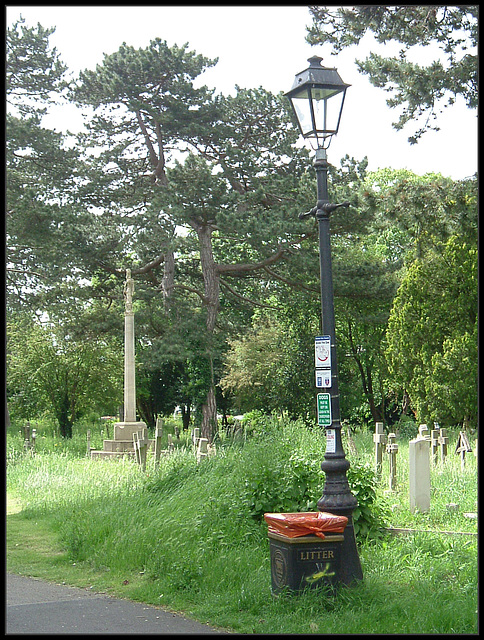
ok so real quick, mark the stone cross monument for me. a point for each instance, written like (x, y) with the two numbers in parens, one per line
(124, 430)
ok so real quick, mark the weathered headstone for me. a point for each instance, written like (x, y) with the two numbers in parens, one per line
(392, 450)
(463, 447)
(158, 436)
(202, 451)
(434, 443)
(140, 442)
(171, 446)
(423, 432)
(419, 474)
(27, 432)
(32, 444)
(380, 440)
(443, 441)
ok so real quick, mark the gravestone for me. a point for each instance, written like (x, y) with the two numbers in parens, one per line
(463, 446)
(158, 436)
(423, 432)
(434, 443)
(32, 443)
(380, 440)
(392, 450)
(171, 446)
(443, 442)
(202, 450)
(419, 474)
(140, 445)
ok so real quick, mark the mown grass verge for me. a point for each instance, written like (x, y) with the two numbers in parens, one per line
(192, 538)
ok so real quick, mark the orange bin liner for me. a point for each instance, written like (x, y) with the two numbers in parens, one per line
(293, 525)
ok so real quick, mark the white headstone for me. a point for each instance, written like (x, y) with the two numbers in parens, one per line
(419, 475)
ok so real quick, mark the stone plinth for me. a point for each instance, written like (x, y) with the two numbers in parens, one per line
(110, 455)
(123, 440)
(125, 430)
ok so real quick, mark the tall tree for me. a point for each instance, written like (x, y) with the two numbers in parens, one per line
(48, 369)
(432, 335)
(40, 167)
(422, 91)
(145, 108)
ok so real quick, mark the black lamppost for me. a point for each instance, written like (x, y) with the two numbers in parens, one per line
(317, 98)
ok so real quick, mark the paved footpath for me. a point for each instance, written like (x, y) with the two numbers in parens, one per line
(36, 607)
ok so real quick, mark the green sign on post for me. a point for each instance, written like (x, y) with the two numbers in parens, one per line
(324, 410)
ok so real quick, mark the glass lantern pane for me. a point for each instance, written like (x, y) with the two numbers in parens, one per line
(327, 109)
(303, 112)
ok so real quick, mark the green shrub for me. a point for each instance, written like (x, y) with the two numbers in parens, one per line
(370, 515)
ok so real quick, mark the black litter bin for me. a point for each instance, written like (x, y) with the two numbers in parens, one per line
(305, 549)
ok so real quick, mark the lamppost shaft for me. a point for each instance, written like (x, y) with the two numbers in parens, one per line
(326, 276)
(337, 497)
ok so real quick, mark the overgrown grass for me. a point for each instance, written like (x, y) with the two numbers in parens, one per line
(192, 537)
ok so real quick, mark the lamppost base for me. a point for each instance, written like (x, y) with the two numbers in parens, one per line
(338, 500)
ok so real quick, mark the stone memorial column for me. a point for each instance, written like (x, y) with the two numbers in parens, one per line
(125, 430)
(129, 366)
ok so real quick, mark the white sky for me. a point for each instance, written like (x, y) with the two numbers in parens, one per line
(262, 46)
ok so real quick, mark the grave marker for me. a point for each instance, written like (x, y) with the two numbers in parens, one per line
(32, 444)
(434, 442)
(419, 474)
(443, 441)
(463, 447)
(171, 446)
(202, 451)
(392, 450)
(140, 443)
(380, 440)
(423, 432)
(158, 435)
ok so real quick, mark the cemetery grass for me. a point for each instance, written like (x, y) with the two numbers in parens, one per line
(191, 537)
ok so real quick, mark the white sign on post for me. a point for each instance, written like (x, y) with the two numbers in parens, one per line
(323, 378)
(322, 351)
(330, 441)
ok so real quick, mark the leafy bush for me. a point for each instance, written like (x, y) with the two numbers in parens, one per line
(406, 427)
(369, 516)
(282, 474)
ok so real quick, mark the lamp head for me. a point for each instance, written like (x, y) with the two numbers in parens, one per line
(317, 97)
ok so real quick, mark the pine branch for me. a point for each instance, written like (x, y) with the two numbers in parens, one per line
(291, 283)
(235, 269)
(244, 299)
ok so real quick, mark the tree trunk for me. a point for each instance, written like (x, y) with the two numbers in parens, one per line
(185, 409)
(366, 379)
(63, 417)
(211, 279)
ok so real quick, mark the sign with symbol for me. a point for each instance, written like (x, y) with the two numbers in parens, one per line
(324, 410)
(322, 351)
(323, 378)
(330, 441)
